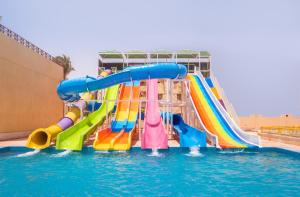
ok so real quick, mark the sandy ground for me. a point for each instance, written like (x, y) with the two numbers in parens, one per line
(266, 143)
(16, 142)
(172, 143)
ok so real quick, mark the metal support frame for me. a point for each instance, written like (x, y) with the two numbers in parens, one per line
(166, 104)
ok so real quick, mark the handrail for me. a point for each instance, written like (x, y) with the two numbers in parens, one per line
(293, 131)
(6, 31)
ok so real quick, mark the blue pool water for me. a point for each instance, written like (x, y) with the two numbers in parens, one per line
(265, 172)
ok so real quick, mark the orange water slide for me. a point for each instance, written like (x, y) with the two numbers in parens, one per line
(118, 137)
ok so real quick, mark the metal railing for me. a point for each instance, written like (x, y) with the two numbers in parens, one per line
(6, 31)
(281, 130)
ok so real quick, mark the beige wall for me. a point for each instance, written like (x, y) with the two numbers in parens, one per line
(28, 82)
(254, 122)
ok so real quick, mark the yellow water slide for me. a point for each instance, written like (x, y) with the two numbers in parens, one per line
(42, 137)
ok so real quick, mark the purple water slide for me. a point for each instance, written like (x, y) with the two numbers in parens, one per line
(65, 123)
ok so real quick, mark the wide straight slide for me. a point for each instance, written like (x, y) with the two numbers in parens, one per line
(123, 142)
(73, 138)
(118, 137)
(215, 91)
(154, 135)
(215, 118)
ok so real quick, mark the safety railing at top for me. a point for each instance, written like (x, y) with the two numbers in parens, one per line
(6, 31)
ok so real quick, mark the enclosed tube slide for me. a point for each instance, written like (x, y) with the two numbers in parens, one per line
(41, 138)
(215, 118)
(69, 90)
(154, 135)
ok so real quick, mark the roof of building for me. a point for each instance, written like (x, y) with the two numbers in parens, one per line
(111, 54)
(160, 54)
(191, 54)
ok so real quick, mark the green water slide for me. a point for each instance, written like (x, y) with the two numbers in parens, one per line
(73, 138)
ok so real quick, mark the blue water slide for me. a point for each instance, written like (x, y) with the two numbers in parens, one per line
(188, 136)
(209, 82)
(93, 106)
(69, 90)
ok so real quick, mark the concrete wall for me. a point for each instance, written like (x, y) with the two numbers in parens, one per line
(254, 122)
(28, 81)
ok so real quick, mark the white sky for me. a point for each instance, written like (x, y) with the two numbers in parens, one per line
(255, 44)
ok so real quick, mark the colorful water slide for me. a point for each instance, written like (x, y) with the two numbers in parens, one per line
(228, 105)
(73, 138)
(215, 91)
(188, 136)
(69, 90)
(215, 118)
(119, 136)
(42, 137)
(154, 135)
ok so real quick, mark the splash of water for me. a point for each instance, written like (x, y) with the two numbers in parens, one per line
(102, 151)
(30, 153)
(155, 153)
(232, 151)
(194, 152)
(121, 151)
(63, 154)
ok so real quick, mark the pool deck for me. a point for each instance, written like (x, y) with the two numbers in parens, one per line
(172, 143)
(267, 143)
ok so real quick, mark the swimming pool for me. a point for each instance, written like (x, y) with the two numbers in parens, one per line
(264, 172)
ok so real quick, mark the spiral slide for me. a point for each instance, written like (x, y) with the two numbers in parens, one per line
(119, 136)
(215, 118)
(69, 90)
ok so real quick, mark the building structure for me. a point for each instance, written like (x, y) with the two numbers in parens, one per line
(28, 78)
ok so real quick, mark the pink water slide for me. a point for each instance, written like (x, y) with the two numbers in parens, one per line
(154, 135)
